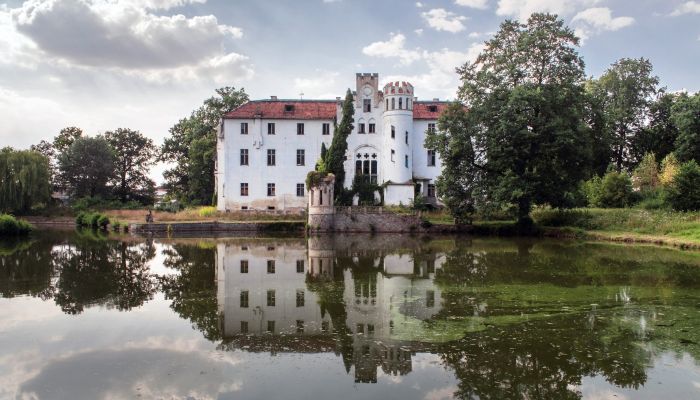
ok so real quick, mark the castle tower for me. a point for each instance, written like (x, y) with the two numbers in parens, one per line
(397, 125)
(321, 204)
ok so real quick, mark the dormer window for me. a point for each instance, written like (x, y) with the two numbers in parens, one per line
(432, 108)
(289, 108)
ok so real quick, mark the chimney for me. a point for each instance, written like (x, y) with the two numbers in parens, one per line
(273, 98)
(436, 99)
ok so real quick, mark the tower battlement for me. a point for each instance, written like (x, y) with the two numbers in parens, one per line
(398, 88)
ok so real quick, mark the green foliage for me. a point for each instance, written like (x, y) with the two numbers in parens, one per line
(91, 220)
(654, 200)
(314, 178)
(453, 142)
(660, 133)
(365, 191)
(669, 169)
(591, 191)
(86, 167)
(615, 190)
(191, 147)
(99, 203)
(625, 93)
(10, 226)
(686, 116)
(24, 180)
(134, 155)
(335, 157)
(526, 106)
(684, 193)
(205, 212)
(646, 175)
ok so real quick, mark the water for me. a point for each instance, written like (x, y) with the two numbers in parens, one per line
(391, 317)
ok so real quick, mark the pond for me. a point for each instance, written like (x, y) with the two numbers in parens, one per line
(394, 317)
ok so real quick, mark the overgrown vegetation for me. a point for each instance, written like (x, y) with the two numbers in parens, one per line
(92, 220)
(11, 226)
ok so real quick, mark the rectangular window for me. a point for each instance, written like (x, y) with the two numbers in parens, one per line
(300, 128)
(300, 266)
(367, 105)
(244, 326)
(270, 189)
(430, 298)
(271, 326)
(270, 298)
(431, 158)
(244, 189)
(270, 128)
(300, 190)
(406, 137)
(271, 157)
(270, 266)
(300, 297)
(326, 129)
(244, 266)
(300, 326)
(324, 326)
(370, 329)
(393, 153)
(431, 128)
(244, 299)
(405, 162)
(393, 131)
(361, 128)
(244, 156)
(244, 128)
(372, 128)
(360, 329)
(301, 156)
(431, 190)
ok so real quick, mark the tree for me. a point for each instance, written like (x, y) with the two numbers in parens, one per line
(615, 190)
(51, 150)
(686, 116)
(192, 178)
(453, 142)
(335, 156)
(601, 140)
(660, 133)
(684, 193)
(134, 154)
(524, 93)
(24, 180)
(669, 169)
(646, 175)
(87, 166)
(627, 89)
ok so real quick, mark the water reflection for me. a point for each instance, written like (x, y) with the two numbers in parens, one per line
(499, 319)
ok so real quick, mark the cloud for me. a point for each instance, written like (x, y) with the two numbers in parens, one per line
(480, 4)
(392, 48)
(596, 20)
(442, 20)
(689, 7)
(522, 9)
(119, 35)
(419, 31)
(419, 4)
(321, 86)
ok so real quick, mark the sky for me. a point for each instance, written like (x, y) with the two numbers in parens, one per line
(145, 64)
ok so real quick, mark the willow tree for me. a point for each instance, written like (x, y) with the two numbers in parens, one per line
(525, 96)
(24, 180)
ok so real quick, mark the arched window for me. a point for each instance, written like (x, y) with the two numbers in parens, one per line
(393, 103)
(387, 104)
(400, 103)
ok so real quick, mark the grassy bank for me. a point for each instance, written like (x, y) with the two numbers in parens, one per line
(11, 226)
(201, 214)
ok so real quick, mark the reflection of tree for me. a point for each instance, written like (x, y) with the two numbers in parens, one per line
(112, 273)
(25, 268)
(544, 359)
(193, 289)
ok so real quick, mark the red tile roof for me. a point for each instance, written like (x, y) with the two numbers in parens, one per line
(276, 109)
(422, 109)
(317, 109)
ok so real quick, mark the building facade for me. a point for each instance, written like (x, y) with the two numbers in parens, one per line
(265, 148)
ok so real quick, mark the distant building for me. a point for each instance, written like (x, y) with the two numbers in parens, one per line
(266, 147)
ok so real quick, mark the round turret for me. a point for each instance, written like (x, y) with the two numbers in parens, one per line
(398, 96)
(397, 121)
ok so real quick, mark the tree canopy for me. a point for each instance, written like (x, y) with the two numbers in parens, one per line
(24, 180)
(87, 166)
(134, 154)
(333, 161)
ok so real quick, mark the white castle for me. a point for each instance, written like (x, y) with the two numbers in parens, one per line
(265, 148)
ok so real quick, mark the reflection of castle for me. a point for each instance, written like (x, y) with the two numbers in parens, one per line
(263, 295)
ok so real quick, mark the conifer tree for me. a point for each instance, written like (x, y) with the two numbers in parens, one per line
(335, 156)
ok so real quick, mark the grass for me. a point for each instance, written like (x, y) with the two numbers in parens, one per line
(11, 226)
(201, 214)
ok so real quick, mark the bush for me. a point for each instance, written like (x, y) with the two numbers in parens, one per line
(615, 190)
(591, 191)
(653, 200)
(559, 218)
(684, 193)
(205, 212)
(102, 221)
(10, 226)
(92, 220)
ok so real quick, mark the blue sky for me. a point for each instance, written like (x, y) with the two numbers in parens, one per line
(143, 64)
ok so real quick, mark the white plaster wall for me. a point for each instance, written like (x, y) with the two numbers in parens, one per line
(398, 194)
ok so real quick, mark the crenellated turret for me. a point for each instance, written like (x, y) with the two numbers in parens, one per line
(397, 121)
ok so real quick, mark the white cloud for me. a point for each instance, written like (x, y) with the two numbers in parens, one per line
(392, 48)
(323, 85)
(480, 4)
(522, 9)
(689, 7)
(419, 4)
(442, 20)
(596, 20)
(419, 31)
